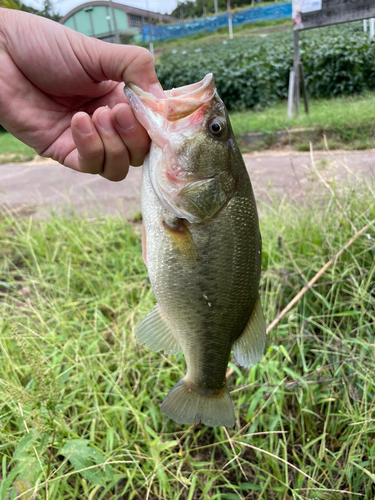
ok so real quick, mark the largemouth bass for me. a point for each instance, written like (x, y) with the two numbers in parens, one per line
(203, 248)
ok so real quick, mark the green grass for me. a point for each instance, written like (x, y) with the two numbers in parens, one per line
(347, 121)
(79, 400)
(13, 150)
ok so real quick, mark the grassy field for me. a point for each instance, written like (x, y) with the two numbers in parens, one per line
(348, 123)
(339, 112)
(79, 400)
(13, 150)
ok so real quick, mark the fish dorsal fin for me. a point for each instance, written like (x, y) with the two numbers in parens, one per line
(155, 333)
(249, 347)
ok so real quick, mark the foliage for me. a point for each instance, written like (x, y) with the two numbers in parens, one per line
(48, 10)
(10, 4)
(80, 400)
(199, 8)
(254, 71)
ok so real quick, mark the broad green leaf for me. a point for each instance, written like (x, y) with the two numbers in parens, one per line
(83, 458)
(25, 444)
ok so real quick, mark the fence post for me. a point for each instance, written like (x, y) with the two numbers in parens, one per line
(303, 87)
(296, 73)
(290, 94)
(230, 21)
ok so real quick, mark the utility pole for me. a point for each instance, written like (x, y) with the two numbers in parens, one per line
(116, 33)
(230, 21)
(216, 7)
(150, 31)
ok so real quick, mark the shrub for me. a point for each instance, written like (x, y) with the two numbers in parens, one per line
(254, 71)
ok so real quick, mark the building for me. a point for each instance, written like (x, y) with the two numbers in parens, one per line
(104, 19)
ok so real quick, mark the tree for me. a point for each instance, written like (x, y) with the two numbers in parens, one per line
(10, 4)
(48, 10)
(196, 8)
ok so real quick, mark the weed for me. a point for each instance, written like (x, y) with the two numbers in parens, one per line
(83, 418)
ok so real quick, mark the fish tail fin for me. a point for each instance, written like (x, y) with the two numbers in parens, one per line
(186, 405)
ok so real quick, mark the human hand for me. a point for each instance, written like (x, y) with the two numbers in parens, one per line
(62, 94)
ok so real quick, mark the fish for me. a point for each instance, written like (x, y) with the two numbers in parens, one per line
(203, 248)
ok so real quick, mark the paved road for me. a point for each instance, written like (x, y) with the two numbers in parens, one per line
(38, 187)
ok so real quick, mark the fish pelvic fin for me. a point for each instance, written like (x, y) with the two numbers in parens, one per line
(249, 347)
(155, 333)
(181, 238)
(185, 405)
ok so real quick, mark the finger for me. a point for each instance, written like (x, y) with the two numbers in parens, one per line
(116, 157)
(122, 63)
(90, 156)
(132, 133)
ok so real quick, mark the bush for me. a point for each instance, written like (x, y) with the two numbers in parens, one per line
(254, 71)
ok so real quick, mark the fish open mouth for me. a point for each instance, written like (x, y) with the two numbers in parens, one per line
(177, 104)
(165, 119)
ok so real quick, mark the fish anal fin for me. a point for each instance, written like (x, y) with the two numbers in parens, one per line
(249, 347)
(185, 405)
(155, 333)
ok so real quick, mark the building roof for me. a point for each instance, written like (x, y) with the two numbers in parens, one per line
(129, 10)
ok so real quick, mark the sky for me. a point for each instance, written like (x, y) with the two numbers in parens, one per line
(64, 6)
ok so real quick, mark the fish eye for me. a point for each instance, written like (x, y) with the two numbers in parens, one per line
(216, 128)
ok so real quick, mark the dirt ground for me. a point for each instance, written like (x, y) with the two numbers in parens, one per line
(42, 185)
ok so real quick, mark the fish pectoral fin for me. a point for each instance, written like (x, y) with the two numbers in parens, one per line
(249, 347)
(185, 405)
(155, 333)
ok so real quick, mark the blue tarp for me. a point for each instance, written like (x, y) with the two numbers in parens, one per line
(252, 15)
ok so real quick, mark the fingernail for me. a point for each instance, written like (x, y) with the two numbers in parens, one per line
(104, 120)
(125, 119)
(84, 125)
(156, 90)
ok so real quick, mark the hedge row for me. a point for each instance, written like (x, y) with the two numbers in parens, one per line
(254, 71)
